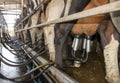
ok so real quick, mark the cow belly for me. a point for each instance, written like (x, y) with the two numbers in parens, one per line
(54, 11)
(111, 61)
(91, 20)
(89, 25)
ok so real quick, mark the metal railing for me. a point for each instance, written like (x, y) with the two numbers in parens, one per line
(108, 8)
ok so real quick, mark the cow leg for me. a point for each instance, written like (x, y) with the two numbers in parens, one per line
(49, 38)
(53, 11)
(60, 47)
(39, 38)
(32, 32)
(24, 34)
(60, 42)
(111, 61)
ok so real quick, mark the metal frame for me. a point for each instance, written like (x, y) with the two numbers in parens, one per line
(108, 8)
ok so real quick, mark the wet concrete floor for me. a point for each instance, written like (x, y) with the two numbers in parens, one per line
(9, 71)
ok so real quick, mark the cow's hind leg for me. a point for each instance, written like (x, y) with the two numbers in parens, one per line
(111, 61)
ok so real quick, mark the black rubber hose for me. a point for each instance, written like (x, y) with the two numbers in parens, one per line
(39, 74)
(9, 49)
(24, 63)
(4, 44)
(29, 42)
(33, 78)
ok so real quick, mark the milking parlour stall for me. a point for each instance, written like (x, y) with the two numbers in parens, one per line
(65, 41)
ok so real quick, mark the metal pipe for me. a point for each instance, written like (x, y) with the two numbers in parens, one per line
(76, 43)
(111, 7)
(88, 44)
(75, 46)
(84, 43)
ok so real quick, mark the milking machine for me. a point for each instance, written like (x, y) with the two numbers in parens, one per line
(40, 52)
(18, 48)
(85, 49)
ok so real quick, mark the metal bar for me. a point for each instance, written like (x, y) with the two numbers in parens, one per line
(111, 7)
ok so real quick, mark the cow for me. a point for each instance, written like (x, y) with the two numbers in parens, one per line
(52, 11)
(35, 34)
(46, 13)
(37, 18)
(89, 26)
(25, 12)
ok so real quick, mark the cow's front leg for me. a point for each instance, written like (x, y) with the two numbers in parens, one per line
(111, 61)
(49, 40)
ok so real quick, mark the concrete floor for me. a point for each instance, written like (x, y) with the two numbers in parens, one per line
(9, 71)
(92, 71)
